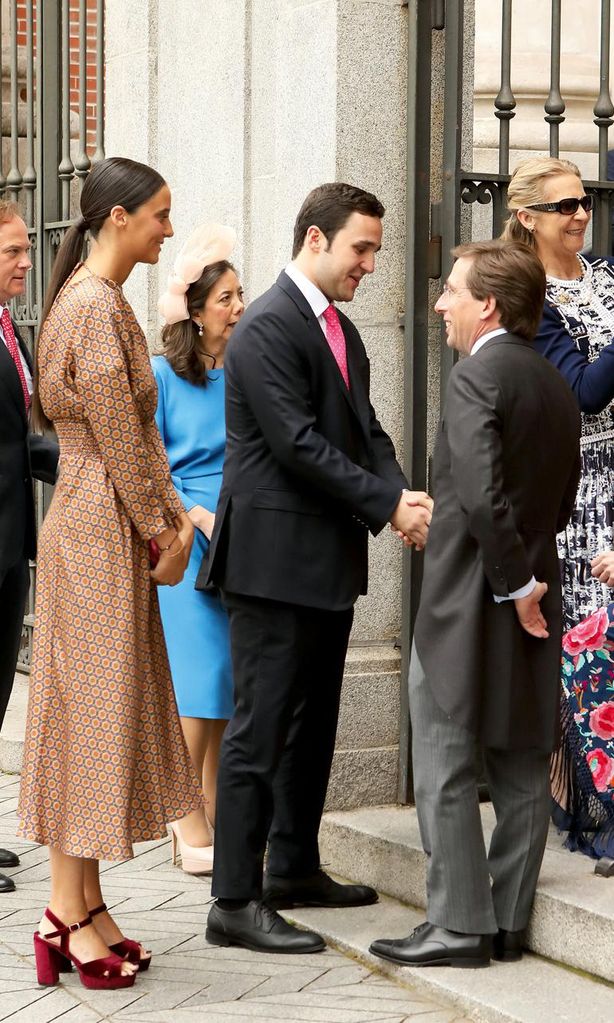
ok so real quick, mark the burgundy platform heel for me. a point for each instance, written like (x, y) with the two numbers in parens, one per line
(127, 949)
(51, 959)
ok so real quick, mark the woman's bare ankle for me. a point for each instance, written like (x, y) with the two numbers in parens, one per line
(69, 911)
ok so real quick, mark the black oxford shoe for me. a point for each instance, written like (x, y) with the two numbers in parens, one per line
(8, 858)
(259, 928)
(507, 946)
(429, 945)
(6, 884)
(317, 890)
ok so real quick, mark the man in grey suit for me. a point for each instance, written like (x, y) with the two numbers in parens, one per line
(486, 656)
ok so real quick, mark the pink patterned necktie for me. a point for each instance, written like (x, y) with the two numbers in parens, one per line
(13, 347)
(336, 341)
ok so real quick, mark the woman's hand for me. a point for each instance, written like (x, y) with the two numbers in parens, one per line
(602, 567)
(202, 519)
(172, 564)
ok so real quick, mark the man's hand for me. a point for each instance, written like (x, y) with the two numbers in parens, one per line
(412, 517)
(529, 612)
(602, 567)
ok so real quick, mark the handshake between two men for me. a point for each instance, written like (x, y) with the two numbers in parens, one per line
(411, 518)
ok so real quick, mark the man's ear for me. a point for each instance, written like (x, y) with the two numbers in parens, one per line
(315, 239)
(489, 308)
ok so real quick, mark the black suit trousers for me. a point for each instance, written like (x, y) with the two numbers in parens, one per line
(14, 583)
(277, 751)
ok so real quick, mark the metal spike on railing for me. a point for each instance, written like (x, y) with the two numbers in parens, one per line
(555, 105)
(505, 101)
(82, 160)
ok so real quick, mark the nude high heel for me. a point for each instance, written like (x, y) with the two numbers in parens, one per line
(194, 859)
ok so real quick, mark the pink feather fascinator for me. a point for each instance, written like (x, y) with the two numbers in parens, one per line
(208, 244)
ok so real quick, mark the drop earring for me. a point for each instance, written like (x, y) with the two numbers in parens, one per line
(200, 330)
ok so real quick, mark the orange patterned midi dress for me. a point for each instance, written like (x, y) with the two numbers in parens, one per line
(105, 763)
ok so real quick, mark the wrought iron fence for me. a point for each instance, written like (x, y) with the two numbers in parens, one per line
(442, 207)
(52, 73)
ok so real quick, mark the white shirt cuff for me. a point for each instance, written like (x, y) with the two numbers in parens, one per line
(524, 591)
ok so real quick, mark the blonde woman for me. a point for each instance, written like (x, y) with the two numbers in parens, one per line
(550, 212)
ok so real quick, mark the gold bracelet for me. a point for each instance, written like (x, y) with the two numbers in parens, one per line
(177, 553)
(168, 546)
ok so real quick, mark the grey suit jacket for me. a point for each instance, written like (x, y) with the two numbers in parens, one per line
(505, 473)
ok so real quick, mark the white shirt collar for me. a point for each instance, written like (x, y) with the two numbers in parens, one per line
(316, 298)
(486, 337)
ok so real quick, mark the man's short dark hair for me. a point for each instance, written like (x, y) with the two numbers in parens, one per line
(329, 207)
(513, 274)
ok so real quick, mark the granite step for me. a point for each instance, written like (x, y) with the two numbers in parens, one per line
(533, 990)
(573, 915)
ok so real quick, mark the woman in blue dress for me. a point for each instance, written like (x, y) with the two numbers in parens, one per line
(203, 302)
(550, 212)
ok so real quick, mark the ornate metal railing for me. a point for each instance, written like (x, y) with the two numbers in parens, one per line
(448, 208)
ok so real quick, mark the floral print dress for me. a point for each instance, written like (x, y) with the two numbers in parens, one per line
(588, 684)
(578, 329)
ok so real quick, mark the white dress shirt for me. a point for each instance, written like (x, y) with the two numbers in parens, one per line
(316, 298)
(26, 368)
(528, 588)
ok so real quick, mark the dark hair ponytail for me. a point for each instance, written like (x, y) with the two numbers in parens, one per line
(113, 182)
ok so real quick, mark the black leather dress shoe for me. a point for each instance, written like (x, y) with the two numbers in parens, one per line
(507, 946)
(429, 945)
(259, 928)
(8, 858)
(317, 890)
(6, 884)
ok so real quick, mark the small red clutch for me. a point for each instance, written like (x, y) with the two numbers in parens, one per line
(154, 553)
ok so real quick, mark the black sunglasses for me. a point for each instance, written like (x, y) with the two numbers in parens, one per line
(565, 206)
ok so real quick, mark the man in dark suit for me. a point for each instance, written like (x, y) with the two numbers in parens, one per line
(22, 455)
(308, 473)
(487, 652)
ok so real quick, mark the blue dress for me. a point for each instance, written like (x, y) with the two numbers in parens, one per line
(191, 421)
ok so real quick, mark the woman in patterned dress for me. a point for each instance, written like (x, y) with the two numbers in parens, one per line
(551, 212)
(202, 304)
(105, 761)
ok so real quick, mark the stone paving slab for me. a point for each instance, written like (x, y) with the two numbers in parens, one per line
(189, 981)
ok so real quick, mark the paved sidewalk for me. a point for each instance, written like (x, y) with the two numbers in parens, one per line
(188, 980)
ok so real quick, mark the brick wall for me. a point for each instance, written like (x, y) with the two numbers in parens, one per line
(74, 59)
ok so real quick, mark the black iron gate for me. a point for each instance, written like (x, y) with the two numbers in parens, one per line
(442, 192)
(52, 72)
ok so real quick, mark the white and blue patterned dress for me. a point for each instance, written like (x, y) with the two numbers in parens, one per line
(577, 336)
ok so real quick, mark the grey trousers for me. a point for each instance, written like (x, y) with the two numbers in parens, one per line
(460, 896)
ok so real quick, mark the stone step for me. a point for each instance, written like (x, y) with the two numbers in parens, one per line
(573, 916)
(531, 991)
(13, 727)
